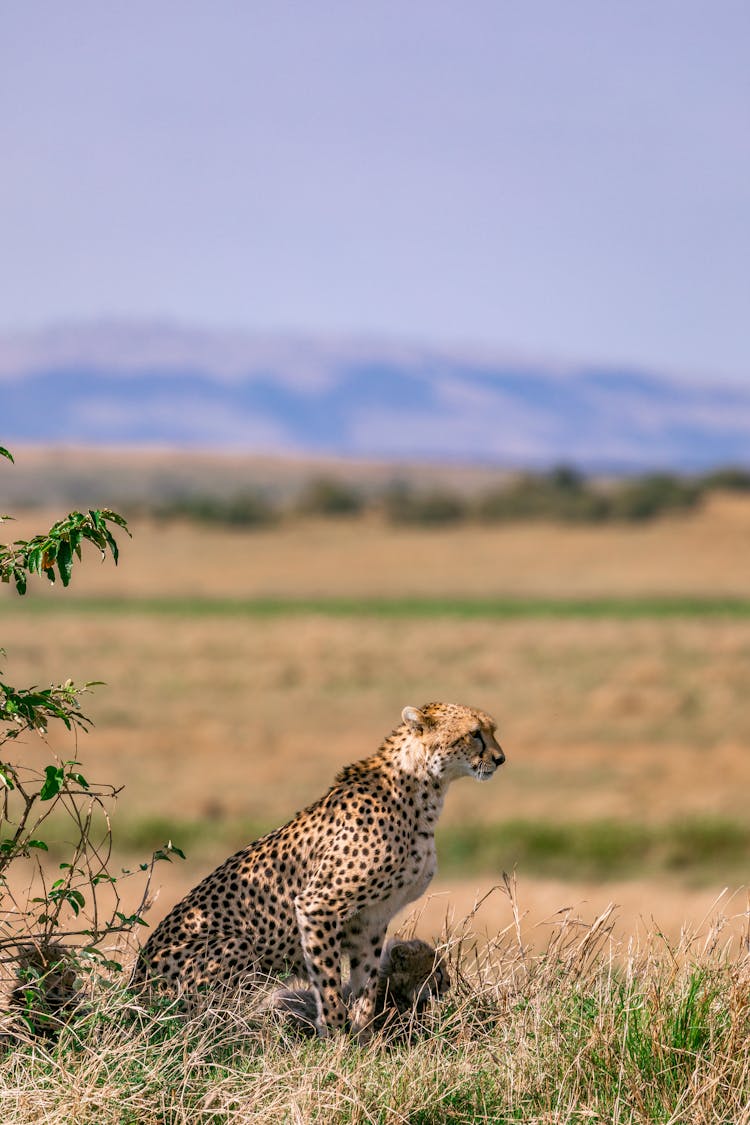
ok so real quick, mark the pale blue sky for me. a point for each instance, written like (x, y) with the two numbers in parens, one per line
(558, 178)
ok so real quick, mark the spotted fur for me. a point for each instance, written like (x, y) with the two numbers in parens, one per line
(331, 879)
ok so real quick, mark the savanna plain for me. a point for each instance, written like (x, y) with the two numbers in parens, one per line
(592, 898)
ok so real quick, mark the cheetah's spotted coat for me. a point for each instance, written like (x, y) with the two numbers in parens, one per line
(331, 879)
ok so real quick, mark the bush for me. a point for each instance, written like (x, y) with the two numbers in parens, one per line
(244, 509)
(652, 495)
(732, 477)
(326, 496)
(56, 800)
(563, 494)
(438, 506)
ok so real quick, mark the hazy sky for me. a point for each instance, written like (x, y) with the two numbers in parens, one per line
(559, 178)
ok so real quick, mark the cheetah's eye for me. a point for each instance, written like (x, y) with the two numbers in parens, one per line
(473, 734)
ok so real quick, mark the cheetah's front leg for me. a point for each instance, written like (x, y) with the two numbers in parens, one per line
(364, 938)
(320, 934)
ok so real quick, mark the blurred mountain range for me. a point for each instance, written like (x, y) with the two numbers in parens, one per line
(160, 385)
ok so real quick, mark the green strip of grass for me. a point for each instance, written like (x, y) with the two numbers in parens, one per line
(460, 608)
(694, 849)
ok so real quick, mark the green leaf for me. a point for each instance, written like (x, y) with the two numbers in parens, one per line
(130, 919)
(53, 782)
(115, 517)
(37, 844)
(166, 853)
(5, 453)
(76, 899)
(65, 561)
(112, 545)
(34, 560)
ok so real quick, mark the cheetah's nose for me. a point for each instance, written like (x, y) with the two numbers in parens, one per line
(498, 758)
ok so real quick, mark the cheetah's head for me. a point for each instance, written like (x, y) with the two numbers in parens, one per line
(459, 741)
(412, 974)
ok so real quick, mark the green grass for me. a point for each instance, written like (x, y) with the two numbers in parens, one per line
(460, 608)
(693, 849)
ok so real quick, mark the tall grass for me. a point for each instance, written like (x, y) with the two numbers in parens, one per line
(585, 1031)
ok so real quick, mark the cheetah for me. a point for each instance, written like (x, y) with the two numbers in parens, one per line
(330, 880)
(43, 992)
(411, 974)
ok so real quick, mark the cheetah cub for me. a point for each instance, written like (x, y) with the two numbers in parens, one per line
(43, 991)
(411, 974)
(331, 879)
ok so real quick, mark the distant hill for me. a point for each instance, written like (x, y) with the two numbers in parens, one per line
(159, 385)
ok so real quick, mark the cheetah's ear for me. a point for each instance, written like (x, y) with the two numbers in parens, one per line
(396, 955)
(413, 717)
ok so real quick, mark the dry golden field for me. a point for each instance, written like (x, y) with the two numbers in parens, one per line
(220, 717)
(705, 553)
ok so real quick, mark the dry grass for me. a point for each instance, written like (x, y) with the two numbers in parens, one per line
(587, 1029)
(241, 722)
(701, 553)
(213, 717)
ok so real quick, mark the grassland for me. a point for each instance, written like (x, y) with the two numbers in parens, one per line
(701, 555)
(243, 668)
(408, 608)
(583, 1030)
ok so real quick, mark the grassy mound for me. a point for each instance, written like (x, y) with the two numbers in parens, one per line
(585, 1031)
